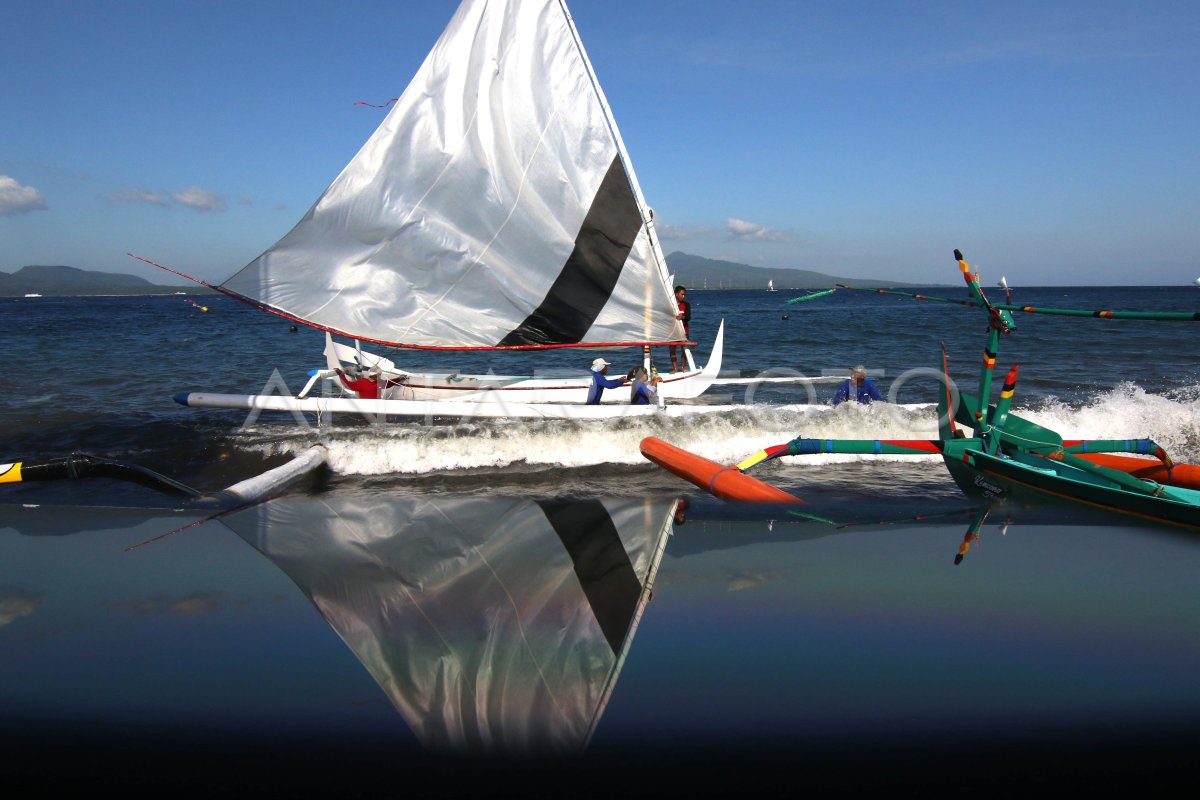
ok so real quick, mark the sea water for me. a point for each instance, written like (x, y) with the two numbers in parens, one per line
(98, 375)
(775, 630)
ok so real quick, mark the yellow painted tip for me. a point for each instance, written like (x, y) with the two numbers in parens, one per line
(752, 460)
(10, 473)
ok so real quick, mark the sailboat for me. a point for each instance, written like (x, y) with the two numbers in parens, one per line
(494, 209)
(770, 286)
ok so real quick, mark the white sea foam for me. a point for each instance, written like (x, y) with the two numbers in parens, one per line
(412, 449)
(1129, 412)
(724, 437)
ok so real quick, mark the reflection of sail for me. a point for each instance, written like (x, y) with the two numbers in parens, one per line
(493, 624)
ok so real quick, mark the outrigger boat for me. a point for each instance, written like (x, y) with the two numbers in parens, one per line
(1003, 455)
(494, 209)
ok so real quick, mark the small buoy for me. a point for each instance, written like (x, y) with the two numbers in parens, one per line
(292, 329)
(785, 316)
(204, 308)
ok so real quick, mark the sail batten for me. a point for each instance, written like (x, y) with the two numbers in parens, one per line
(494, 207)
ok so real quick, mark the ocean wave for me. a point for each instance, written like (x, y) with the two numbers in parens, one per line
(1125, 412)
(1128, 411)
(726, 437)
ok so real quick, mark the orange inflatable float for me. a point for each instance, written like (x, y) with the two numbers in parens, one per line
(727, 483)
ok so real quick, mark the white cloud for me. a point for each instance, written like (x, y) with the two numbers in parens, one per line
(192, 197)
(199, 199)
(740, 230)
(138, 196)
(17, 199)
(678, 232)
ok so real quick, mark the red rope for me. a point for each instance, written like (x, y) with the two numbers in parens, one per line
(399, 345)
(372, 105)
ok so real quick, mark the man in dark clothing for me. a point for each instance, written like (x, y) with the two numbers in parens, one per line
(858, 386)
(685, 316)
(600, 383)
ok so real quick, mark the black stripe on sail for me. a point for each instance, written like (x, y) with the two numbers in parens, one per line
(587, 279)
(601, 563)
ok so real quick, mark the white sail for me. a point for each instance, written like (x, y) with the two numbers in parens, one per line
(494, 207)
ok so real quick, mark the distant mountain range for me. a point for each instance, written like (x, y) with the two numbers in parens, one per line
(57, 281)
(695, 272)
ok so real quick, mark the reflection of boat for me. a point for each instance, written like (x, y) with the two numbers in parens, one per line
(494, 625)
(495, 208)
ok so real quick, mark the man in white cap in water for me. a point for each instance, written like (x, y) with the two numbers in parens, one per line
(858, 386)
(600, 383)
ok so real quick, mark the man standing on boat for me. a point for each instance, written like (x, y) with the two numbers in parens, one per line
(600, 383)
(858, 386)
(684, 316)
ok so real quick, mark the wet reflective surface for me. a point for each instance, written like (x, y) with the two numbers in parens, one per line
(346, 630)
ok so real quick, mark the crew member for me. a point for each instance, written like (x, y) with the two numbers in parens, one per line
(600, 382)
(857, 386)
(643, 389)
(684, 315)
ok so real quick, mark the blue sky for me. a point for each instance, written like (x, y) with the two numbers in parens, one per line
(1053, 142)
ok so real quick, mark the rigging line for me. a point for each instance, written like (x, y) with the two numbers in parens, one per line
(372, 105)
(1029, 441)
(190, 525)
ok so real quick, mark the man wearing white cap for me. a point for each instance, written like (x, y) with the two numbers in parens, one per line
(600, 383)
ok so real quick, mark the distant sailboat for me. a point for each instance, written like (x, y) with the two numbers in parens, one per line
(1197, 281)
(770, 286)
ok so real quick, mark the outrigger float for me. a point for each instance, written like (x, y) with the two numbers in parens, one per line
(1004, 455)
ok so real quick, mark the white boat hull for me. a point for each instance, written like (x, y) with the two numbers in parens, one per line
(439, 408)
(476, 389)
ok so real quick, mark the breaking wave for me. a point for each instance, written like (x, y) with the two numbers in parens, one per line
(1127, 411)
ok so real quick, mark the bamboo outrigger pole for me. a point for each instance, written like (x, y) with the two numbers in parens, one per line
(1162, 316)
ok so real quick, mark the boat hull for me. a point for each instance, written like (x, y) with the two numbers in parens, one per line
(983, 475)
(434, 409)
(456, 387)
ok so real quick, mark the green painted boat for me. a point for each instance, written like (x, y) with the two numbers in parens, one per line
(1007, 457)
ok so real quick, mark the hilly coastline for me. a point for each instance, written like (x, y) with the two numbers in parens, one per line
(697, 272)
(61, 281)
(692, 271)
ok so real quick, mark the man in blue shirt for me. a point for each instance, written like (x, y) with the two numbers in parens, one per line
(858, 386)
(600, 383)
(643, 389)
